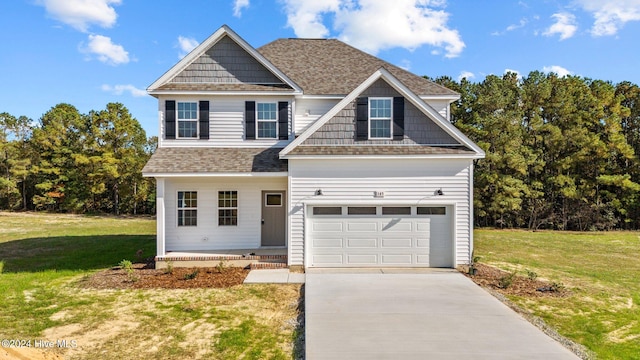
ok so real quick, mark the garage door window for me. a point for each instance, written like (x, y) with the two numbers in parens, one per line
(327, 210)
(396, 210)
(361, 210)
(432, 210)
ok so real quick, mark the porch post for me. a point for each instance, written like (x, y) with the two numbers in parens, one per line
(160, 218)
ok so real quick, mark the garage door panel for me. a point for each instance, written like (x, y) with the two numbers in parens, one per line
(396, 243)
(422, 243)
(328, 260)
(397, 259)
(424, 226)
(354, 226)
(331, 226)
(328, 243)
(423, 259)
(397, 226)
(362, 259)
(362, 243)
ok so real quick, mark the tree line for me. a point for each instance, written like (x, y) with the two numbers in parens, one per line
(561, 151)
(73, 162)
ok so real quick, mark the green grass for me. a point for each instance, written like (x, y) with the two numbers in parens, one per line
(602, 270)
(43, 256)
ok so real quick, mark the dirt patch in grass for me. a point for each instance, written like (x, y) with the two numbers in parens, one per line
(508, 283)
(28, 354)
(145, 276)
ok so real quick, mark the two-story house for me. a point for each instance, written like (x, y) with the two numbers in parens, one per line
(311, 146)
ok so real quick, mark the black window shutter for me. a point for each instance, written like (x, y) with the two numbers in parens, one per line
(203, 120)
(170, 119)
(250, 120)
(398, 118)
(283, 120)
(362, 118)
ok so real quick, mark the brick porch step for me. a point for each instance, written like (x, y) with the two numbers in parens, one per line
(266, 265)
(269, 261)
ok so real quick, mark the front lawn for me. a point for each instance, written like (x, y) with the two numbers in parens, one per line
(601, 271)
(44, 259)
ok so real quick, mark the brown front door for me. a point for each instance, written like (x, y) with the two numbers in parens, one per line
(274, 211)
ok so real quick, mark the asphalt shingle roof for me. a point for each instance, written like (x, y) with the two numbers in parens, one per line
(191, 160)
(387, 150)
(331, 67)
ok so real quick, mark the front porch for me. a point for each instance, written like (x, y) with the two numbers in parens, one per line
(263, 258)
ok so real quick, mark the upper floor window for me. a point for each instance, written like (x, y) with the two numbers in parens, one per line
(267, 121)
(380, 118)
(187, 119)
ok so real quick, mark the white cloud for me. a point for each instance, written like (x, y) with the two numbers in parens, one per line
(611, 15)
(559, 70)
(106, 50)
(466, 75)
(238, 5)
(120, 89)
(375, 25)
(185, 45)
(82, 13)
(522, 23)
(565, 26)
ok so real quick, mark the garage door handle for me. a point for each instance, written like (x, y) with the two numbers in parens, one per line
(262, 221)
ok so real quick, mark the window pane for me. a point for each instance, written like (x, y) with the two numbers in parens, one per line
(274, 200)
(267, 129)
(380, 108)
(187, 111)
(432, 210)
(388, 210)
(327, 210)
(267, 111)
(227, 208)
(380, 128)
(361, 210)
(187, 129)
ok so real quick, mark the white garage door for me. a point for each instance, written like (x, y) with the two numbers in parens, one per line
(380, 236)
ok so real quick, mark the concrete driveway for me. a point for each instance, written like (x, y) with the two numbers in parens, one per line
(433, 314)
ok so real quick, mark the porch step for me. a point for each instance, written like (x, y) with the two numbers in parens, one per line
(267, 265)
(246, 260)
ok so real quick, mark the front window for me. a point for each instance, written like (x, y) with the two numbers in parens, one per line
(187, 119)
(227, 208)
(380, 118)
(187, 208)
(267, 121)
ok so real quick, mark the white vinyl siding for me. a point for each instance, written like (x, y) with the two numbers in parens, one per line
(208, 235)
(226, 122)
(403, 181)
(310, 110)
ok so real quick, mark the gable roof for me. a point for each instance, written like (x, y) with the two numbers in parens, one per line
(331, 67)
(163, 83)
(382, 73)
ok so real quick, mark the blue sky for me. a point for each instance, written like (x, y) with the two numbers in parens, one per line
(92, 52)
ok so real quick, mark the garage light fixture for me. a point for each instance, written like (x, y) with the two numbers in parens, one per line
(319, 192)
(438, 192)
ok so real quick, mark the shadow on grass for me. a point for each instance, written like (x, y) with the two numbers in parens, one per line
(74, 252)
(299, 341)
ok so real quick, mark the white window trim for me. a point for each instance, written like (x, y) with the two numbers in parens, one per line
(281, 199)
(236, 208)
(390, 118)
(178, 208)
(196, 120)
(276, 121)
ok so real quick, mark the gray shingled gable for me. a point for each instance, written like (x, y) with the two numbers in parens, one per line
(226, 62)
(331, 67)
(419, 128)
